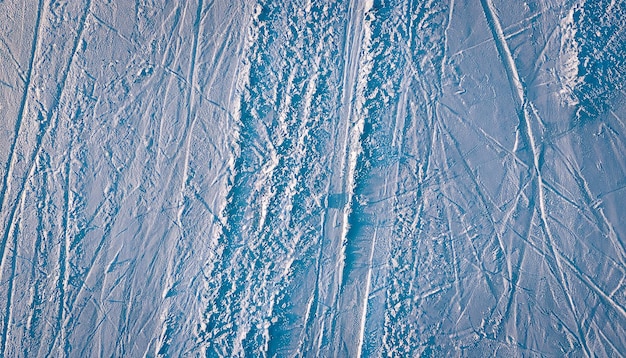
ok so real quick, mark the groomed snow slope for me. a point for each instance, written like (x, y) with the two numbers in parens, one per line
(312, 178)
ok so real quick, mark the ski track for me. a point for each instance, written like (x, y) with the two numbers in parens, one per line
(304, 178)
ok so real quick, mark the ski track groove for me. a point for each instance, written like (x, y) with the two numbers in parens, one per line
(6, 181)
(510, 277)
(298, 172)
(522, 103)
(190, 123)
(481, 194)
(244, 70)
(353, 87)
(413, 225)
(64, 250)
(317, 300)
(38, 144)
(8, 312)
(33, 304)
(368, 153)
(478, 258)
(7, 178)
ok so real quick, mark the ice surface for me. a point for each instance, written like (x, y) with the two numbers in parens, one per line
(313, 178)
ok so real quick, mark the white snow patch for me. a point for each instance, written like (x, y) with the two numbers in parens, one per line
(568, 61)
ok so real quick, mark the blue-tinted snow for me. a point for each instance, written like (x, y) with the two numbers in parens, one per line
(312, 178)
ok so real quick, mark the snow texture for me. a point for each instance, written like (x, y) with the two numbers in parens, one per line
(313, 178)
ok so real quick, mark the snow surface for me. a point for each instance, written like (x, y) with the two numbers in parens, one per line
(313, 178)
